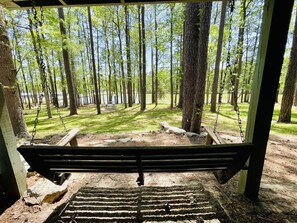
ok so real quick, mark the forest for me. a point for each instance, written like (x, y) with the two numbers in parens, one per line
(197, 54)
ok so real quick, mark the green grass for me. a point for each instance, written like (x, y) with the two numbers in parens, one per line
(120, 120)
(132, 120)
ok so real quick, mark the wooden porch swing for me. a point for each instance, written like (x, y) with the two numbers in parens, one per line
(226, 159)
(51, 161)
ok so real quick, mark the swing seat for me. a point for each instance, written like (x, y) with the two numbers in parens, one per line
(50, 161)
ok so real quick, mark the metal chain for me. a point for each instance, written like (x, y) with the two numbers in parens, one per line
(232, 81)
(54, 100)
(228, 65)
(37, 24)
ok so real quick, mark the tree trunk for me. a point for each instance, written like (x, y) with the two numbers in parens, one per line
(157, 58)
(114, 67)
(69, 78)
(171, 56)
(75, 82)
(207, 85)
(143, 101)
(109, 65)
(295, 98)
(64, 93)
(34, 93)
(20, 97)
(39, 61)
(153, 75)
(93, 62)
(55, 80)
(215, 82)
(250, 73)
(190, 61)
(140, 56)
(88, 62)
(289, 88)
(98, 65)
(21, 66)
(202, 67)
(239, 53)
(52, 87)
(128, 55)
(122, 61)
(181, 87)
(8, 80)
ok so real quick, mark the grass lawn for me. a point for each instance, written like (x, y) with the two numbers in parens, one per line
(132, 120)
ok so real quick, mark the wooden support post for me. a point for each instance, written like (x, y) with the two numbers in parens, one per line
(275, 26)
(12, 170)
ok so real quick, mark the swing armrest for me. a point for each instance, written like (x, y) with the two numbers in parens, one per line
(70, 137)
(213, 137)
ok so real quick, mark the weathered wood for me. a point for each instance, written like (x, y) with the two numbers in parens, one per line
(213, 137)
(51, 160)
(275, 26)
(237, 163)
(12, 172)
(70, 137)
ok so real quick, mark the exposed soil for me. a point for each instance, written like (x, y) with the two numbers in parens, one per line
(278, 192)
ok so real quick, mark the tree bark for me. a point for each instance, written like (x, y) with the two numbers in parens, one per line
(34, 93)
(64, 93)
(114, 67)
(122, 61)
(109, 65)
(239, 53)
(93, 62)
(8, 79)
(98, 66)
(181, 87)
(157, 58)
(190, 61)
(128, 55)
(153, 75)
(52, 87)
(250, 73)
(16, 35)
(171, 56)
(202, 67)
(295, 97)
(289, 88)
(38, 60)
(215, 82)
(55, 80)
(69, 78)
(143, 101)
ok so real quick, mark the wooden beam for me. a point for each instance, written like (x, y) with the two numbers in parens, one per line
(275, 26)
(13, 176)
(27, 4)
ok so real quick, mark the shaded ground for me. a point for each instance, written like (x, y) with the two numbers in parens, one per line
(278, 194)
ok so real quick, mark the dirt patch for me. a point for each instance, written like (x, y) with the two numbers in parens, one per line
(278, 193)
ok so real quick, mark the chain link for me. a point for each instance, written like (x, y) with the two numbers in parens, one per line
(37, 24)
(228, 70)
(228, 64)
